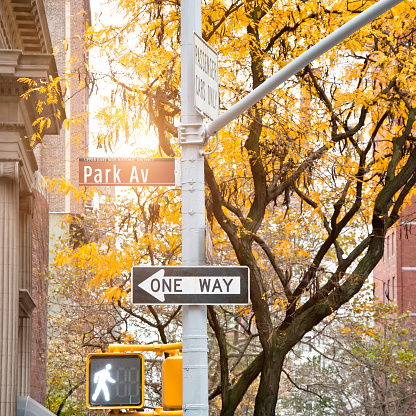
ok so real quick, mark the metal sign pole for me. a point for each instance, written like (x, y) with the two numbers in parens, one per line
(194, 317)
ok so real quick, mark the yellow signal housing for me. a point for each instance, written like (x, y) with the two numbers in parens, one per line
(172, 383)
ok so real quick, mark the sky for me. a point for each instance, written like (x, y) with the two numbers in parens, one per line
(104, 11)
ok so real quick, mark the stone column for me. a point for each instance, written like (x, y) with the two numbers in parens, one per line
(25, 292)
(9, 284)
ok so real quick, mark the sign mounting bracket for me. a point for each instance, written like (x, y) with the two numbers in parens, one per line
(197, 131)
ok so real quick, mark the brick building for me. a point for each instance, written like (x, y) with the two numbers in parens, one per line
(395, 275)
(59, 155)
(26, 50)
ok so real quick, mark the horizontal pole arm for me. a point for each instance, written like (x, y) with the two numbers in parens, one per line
(299, 63)
(157, 412)
(159, 349)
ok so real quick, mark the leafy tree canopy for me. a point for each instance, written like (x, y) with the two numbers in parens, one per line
(304, 185)
(362, 362)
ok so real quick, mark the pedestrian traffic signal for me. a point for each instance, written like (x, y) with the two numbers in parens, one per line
(115, 381)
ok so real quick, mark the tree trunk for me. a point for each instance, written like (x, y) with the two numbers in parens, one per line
(267, 394)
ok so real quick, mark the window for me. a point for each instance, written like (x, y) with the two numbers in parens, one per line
(393, 291)
(306, 346)
(393, 248)
(388, 290)
(384, 292)
(388, 247)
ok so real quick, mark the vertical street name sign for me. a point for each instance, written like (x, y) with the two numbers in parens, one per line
(127, 171)
(206, 84)
(181, 285)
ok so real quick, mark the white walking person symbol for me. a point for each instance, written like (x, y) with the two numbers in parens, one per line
(101, 377)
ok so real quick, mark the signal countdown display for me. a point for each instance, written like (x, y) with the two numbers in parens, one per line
(115, 381)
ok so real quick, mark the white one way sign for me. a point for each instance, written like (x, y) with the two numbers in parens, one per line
(179, 285)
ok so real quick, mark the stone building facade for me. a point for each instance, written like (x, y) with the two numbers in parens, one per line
(26, 51)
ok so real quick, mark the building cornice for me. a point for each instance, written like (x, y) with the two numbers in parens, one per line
(19, 127)
(19, 64)
(27, 26)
